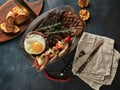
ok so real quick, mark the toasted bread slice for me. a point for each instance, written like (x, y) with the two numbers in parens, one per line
(20, 15)
(17, 10)
(21, 18)
(10, 14)
(4, 29)
(16, 30)
(10, 24)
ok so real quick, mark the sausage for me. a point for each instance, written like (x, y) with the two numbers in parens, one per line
(65, 50)
(54, 57)
(43, 63)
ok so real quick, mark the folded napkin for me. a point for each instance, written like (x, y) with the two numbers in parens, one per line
(102, 68)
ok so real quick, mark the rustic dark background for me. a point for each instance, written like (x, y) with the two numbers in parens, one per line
(16, 72)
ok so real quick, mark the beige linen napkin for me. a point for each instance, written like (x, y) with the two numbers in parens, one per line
(103, 66)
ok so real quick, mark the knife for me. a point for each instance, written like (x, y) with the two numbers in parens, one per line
(89, 59)
(26, 8)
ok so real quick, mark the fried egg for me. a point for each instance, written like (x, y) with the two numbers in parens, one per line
(34, 44)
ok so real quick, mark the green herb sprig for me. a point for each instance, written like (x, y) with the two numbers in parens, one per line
(60, 31)
(49, 27)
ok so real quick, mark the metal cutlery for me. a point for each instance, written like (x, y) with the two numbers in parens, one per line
(89, 59)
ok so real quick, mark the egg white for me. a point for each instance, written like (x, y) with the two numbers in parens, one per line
(31, 38)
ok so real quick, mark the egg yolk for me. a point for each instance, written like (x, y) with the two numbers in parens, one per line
(36, 46)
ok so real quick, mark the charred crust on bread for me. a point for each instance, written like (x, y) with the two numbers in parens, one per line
(13, 18)
(21, 18)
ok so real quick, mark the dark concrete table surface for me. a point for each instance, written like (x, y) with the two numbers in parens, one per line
(16, 72)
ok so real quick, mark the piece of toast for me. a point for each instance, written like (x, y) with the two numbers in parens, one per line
(21, 18)
(4, 29)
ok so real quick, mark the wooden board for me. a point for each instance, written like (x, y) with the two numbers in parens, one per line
(5, 8)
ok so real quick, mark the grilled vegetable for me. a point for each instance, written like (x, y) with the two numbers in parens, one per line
(65, 50)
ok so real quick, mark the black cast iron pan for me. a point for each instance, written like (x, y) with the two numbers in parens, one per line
(37, 21)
